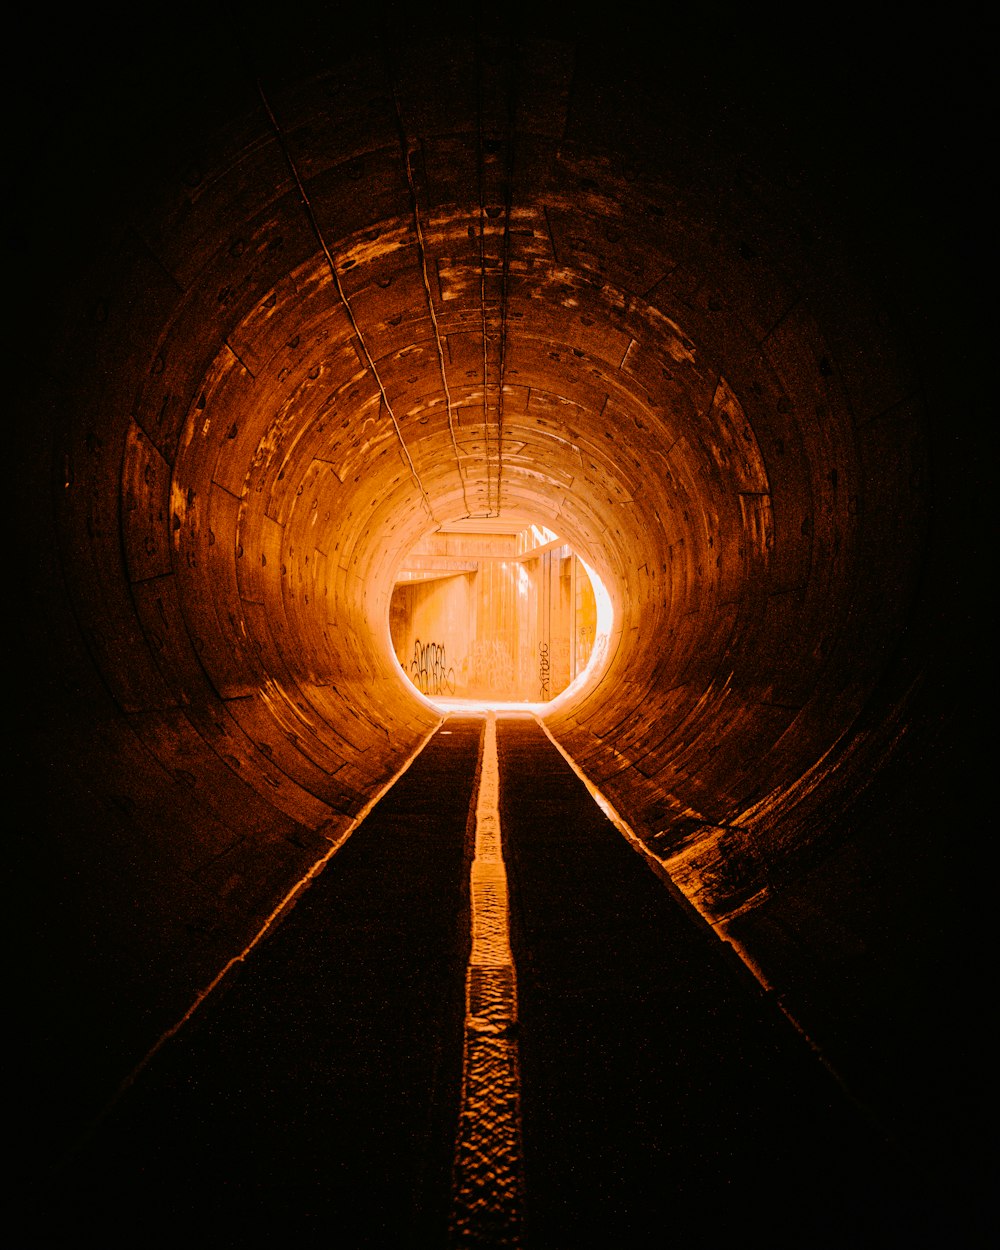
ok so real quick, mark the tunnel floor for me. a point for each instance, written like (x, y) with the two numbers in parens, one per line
(665, 1100)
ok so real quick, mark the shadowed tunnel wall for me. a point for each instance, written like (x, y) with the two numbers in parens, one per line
(291, 300)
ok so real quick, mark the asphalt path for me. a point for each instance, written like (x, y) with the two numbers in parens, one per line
(665, 1098)
(313, 1100)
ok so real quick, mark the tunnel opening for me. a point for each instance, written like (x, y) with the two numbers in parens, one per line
(498, 610)
(233, 428)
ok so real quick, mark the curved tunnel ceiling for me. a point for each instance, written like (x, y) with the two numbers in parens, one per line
(382, 303)
(455, 278)
(395, 295)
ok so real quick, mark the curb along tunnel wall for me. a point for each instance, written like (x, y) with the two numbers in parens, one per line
(567, 278)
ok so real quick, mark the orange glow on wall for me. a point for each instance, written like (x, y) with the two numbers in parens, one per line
(498, 614)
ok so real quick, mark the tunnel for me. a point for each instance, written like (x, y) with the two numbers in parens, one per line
(296, 289)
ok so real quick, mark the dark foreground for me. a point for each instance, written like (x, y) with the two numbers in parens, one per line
(665, 1099)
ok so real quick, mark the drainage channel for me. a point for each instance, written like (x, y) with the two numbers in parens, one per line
(487, 1195)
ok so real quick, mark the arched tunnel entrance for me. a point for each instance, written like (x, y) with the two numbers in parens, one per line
(295, 303)
(499, 609)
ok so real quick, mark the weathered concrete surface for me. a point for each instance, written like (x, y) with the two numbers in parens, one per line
(705, 305)
(640, 1087)
(315, 1093)
(665, 1098)
(487, 1181)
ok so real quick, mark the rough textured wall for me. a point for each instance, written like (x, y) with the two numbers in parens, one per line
(276, 335)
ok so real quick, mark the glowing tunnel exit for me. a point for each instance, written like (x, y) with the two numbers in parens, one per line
(500, 609)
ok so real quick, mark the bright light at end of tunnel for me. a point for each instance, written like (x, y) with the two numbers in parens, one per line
(604, 624)
(498, 613)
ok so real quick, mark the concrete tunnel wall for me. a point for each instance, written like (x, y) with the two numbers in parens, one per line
(415, 281)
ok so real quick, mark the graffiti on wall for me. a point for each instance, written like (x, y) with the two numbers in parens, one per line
(429, 669)
(490, 665)
(543, 671)
(599, 650)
